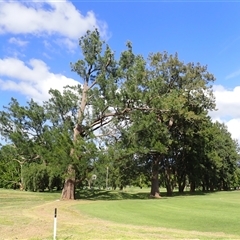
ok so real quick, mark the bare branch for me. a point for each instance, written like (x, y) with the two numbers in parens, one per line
(90, 70)
(102, 124)
(93, 84)
(105, 109)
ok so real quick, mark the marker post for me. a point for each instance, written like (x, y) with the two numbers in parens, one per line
(55, 225)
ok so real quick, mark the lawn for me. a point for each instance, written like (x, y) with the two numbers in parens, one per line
(120, 215)
(213, 212)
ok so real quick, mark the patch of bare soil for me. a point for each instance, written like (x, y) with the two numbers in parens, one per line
(37, 223)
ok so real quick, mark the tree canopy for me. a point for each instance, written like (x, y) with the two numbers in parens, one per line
(144, 120)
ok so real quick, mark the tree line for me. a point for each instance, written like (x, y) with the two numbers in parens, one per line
(145, 121)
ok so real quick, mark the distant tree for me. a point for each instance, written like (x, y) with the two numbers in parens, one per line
(10, 168)
(222, 156)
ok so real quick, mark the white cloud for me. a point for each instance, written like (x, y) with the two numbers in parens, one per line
(32, 80)
(17, 42)
(47, 18)
(234, 74)
(228, 105)
(47, 44)
(234, 128)
(70, 44)
(227, 101)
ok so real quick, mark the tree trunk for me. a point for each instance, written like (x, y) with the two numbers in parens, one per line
(168, 181)
(21, 187)
(192, 187)
(169, 189)
(21, 174)
(154, 181)
(68, 191)
(181, 184)
(181, 187)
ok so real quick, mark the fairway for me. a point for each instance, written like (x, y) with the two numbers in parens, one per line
(25, 215)
(216, 212)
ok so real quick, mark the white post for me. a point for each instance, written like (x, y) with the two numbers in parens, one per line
(55, 224)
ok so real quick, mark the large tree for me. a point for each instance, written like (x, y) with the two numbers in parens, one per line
(138, 118)
(98, 72)
(168, 101)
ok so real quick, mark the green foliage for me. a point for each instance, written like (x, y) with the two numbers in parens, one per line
(10, 169)
(40, 177)
(140, 118)
(35, 177)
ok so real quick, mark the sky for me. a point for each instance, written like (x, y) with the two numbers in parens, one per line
(39, 39)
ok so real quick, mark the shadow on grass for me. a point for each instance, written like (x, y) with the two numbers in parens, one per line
(90, 194)
(93, 194)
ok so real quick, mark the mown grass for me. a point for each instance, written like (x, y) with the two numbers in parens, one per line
(215, 212)
(127, 214)
(13, 203)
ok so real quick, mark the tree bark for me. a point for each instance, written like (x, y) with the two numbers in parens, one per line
(154, 181)
(68, 191)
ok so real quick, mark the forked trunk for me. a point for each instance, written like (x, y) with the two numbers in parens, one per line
(154, 181)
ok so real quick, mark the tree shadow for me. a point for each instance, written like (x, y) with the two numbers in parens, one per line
(94, 194)
(186, 193)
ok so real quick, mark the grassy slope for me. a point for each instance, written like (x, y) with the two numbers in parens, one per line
(123, 215)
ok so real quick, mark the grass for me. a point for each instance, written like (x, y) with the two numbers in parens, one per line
(217, 212)
(120, 215)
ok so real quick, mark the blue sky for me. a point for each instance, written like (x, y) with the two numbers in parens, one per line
(40, 38)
